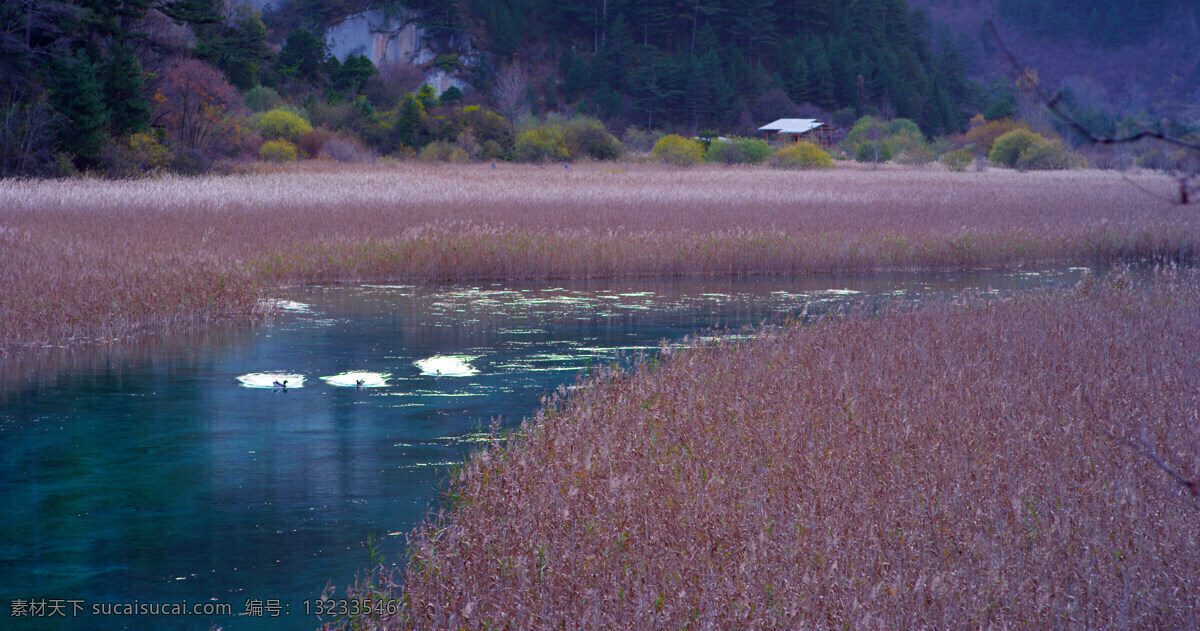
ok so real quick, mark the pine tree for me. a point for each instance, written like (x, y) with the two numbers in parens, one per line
(238, 48)
(410, 123)
(821, 86)
(303, 56)
(189, 11)
(128, 108)
(77, 97)
(702, 93)
(798, 81)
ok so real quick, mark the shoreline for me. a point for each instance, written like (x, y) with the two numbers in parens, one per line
(930, 465)
(105, 260)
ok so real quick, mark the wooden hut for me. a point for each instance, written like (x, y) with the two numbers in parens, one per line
(792, 130)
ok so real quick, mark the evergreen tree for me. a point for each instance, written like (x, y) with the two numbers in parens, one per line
(237, 47)
(797, 81)
(188, 11)
(704, 90)
(303, 56)
(574, 72)
(128, 107)
(77, 97)
(410, 122)
(821, 83)
(353, 74)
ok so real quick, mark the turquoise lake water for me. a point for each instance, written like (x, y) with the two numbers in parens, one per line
(158, 475)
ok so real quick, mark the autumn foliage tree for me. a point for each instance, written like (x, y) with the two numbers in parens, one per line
(195, 105)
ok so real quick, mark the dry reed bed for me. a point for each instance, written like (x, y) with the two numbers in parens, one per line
(953, 467)
(87, 260)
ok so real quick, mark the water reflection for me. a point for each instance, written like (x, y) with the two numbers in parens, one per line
(157, 476)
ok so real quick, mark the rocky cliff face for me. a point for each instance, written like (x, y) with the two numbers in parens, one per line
(396, 37)
(390, 37)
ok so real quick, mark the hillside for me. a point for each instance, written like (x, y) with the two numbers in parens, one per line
(1124, 57)
(725, 64)
(111, 88)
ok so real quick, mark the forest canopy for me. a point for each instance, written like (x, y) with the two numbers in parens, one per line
(79, 78)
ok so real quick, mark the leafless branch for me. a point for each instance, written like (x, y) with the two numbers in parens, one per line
(511, 84)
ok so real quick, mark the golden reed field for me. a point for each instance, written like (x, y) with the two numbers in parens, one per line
(95, 260)
(978, 466)
(994, 464)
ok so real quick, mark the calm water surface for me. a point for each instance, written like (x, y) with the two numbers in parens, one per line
(162, 477)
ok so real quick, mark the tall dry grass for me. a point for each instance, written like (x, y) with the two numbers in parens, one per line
(954, 467)
(93, 260)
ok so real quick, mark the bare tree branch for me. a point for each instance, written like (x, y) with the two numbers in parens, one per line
(511, 85)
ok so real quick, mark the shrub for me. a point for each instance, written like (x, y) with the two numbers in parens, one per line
(1166, 160)
(677, 150)
(905, 127)
(492, 131)
(916, 155)
(957, 161)
(999, 110)
(280, 123)
(1007, 148)
(148, 152)
(802, 155)
(984, 135)
(1119, 158)
(754, 150)
(334, 116)
(725, 152)
(448, 63)
(540, 144)
(261, 98)
(191, 162)
(1044, 155)
(637, 140)
(344, 149)
(490, 150)
(874, 151)
(866, 128)
(277, 151)
(140, 154)
(875, 140)
(1028, 151)
(312, 142)
(587, 136)
(249, 142)
(738, 151)
(908, 143)
(441, 151)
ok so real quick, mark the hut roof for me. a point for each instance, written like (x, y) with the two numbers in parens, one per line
(792, 125)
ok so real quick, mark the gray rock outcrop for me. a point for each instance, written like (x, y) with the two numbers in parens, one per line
(397, 37)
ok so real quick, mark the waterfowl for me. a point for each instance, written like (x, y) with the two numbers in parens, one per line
(279, 384)
(358, 383)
